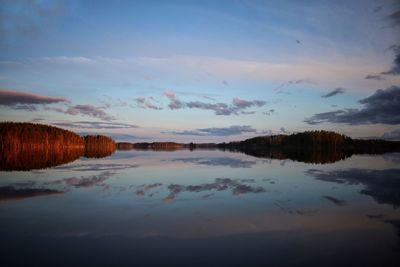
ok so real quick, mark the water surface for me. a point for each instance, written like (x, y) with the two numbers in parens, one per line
(202, 208)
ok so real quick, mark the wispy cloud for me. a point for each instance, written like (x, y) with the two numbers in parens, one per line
(83, 110)
(93, 124)
(235, 108)
(145, 103)
(334, 92)
(174, 102)
(223, 131)
(89, 110)
(381, 107)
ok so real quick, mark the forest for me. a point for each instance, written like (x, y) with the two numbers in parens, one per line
(26, 146)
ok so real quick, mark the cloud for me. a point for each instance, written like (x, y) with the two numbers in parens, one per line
(28, 101)
(223, 131)
(381, 107)
(22, 100)
(219, 108)
(395, 70)
(146, 104)
(236, 108)
(374, 77)
(269, 112)
(392, 135)
(382, 185)
(94, 125)
(334, 92)
(89, 110)
(242, 104)
(174, 102)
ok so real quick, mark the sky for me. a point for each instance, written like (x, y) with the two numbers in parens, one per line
(202, 71)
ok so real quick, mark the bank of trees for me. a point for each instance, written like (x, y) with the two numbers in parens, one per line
(17, 136)
(25, 146)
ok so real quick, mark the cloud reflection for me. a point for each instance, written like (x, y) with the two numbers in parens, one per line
(237, 187)
(381, 185)
(221, 161)
(10, 193)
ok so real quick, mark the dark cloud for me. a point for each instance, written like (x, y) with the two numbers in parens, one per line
(21, 100)
(221, 161)
(334, 92)
(146, 104)
(221, 184)
(10, 193)
(236, 108)
(223, 131)
(392, 135)
(335, 201)
(381, 107)
(395, 70)
(381, 185)
(374, 77)
(94, 125)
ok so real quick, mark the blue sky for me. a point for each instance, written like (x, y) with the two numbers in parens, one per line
(201, 70)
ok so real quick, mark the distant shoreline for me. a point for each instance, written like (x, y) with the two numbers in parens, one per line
(26, 146)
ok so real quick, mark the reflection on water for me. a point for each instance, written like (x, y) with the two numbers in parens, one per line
(382, 185)
(202, 208)
(317, 156)
(37, 159)
(30, 159)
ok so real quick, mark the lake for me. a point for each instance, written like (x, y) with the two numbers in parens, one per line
(202, 208)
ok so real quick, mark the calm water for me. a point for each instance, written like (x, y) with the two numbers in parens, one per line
(202, 208)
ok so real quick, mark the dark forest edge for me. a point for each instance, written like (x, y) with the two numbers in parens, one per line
(27, 146)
